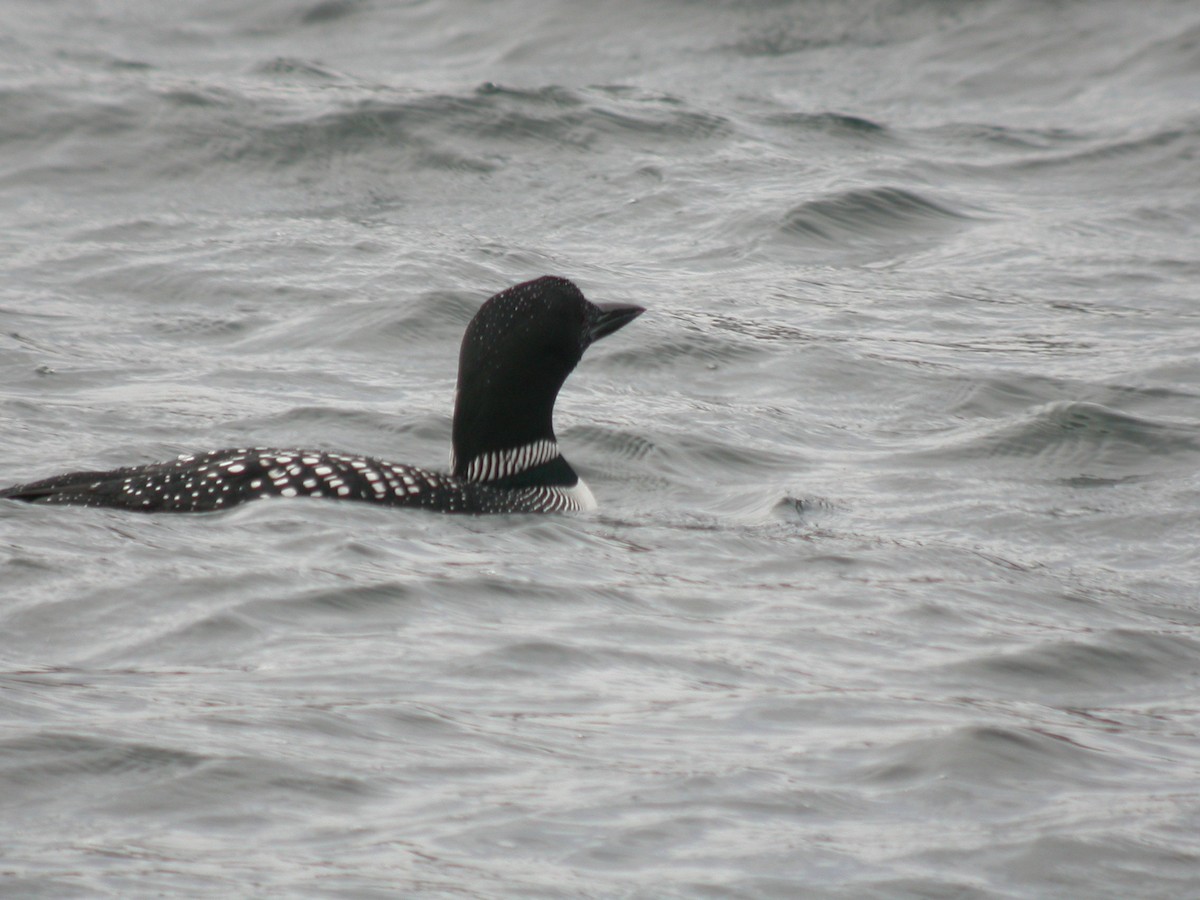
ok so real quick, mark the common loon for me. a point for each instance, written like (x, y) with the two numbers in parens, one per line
(516, 353)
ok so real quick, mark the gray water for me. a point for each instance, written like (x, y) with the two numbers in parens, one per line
(893, 587)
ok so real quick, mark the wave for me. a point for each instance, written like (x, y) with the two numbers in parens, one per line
(838, 124)
(292, 125)
(1071, 439)
(1065, 160)
(978, 756)
(86, 766)
(1122, 660)
(866, 214)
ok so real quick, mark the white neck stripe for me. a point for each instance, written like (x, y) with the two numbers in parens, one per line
(503, 463)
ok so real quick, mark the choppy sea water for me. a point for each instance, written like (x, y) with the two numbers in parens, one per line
(893, 591)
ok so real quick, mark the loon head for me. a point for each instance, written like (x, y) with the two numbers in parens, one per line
(516, 354)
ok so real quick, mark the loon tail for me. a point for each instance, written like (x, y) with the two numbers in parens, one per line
(65, 488)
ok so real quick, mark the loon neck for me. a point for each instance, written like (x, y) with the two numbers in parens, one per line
(504, 411)
(503, 422)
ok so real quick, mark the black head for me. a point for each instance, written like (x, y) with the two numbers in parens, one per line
(516, 354)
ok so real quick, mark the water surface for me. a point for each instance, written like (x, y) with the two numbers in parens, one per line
(892, 591)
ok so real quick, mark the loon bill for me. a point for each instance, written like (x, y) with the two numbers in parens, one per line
(515, 355)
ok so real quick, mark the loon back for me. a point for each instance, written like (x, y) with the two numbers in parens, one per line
(516, 353)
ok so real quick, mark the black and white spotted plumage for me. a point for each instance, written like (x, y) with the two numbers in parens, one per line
(221, 478)
(517, 352)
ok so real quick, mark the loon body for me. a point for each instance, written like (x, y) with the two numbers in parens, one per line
(516, 353)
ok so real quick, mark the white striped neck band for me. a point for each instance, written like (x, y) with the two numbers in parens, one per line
(498, 464)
